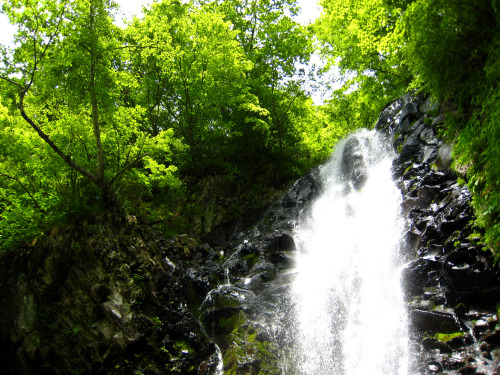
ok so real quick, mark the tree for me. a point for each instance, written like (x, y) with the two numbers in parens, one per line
(276, 45)
(64, 80)
(445, 44)
(71, 139)
(192, 71)
(360, 38)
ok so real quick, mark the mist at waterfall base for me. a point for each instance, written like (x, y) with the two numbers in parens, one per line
(348, 304)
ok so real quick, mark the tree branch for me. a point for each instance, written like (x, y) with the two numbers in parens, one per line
(67, 159)
(12, 82)
(26, 190)
(128, 166)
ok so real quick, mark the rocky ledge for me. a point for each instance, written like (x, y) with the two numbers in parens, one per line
(102, 297)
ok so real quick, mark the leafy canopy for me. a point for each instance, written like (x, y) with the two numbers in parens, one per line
(95, 117)
(63, 107)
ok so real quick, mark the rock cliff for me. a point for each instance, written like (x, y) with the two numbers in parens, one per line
(101, 297)
(451, 284)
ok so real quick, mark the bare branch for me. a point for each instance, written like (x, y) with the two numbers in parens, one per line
(126, 168)
(138, 158)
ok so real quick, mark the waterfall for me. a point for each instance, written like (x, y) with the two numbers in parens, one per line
(349, 312)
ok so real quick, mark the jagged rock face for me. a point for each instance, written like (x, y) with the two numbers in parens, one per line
(450, 282)
(238, 314)
(101, 298)
(95, 299)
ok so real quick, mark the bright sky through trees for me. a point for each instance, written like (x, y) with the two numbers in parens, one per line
(310, 11)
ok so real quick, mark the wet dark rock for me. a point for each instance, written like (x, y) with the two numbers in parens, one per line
(409, 204)
(91, 311)
(427, 195)
(420, 274)
(303, 190)
(282, 260)
(408, 112)
(430, 343)
(468, 370)
(250, 367)
(492, 339)
(453, 363)
(265, 269)
(439, 119)
(263, 336)
(352, 165)
(410, 147)
(435, 178)
(433, 321)
(435, 367)
(428, 137)
(281, 242)
(450, 283)
(443, 159)
(219, 238)
(460, 342)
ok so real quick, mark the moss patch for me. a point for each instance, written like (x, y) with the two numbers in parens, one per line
(445, 337)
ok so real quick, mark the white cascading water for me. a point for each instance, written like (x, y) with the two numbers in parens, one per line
(350, 317)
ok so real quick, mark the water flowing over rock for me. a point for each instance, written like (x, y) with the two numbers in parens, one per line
(450, 286)
(353, 166)
(275, 294)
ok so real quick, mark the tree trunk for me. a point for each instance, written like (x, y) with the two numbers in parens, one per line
(94, 105)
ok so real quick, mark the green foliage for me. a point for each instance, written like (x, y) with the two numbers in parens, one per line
(359, 38)
(190, 75)
(70, 142)
(97, 118)
(445, 45)
(478, 148)
(265, 123)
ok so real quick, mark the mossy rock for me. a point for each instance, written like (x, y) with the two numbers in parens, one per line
(445, 337)
(221, 323)
(249, 355)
